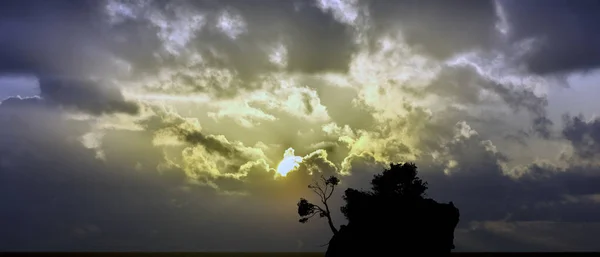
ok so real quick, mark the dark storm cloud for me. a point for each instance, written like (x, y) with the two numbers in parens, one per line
(479, 185)
(463, 84)
(48, 37)
(79, 40)
(90, 96)
(86, 95)
(558, 194)
(61, 44)
(438, 28)
(445, 28)
(583, 135)
(473, 167)
(518, 137)
(505, 236)
(565, 33)
(314, 41)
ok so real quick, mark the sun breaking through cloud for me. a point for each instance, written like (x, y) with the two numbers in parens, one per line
(289, 162)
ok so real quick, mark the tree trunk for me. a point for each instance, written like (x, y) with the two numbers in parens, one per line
(329, 221)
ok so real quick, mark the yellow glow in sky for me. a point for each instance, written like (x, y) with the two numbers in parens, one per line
(289, 162)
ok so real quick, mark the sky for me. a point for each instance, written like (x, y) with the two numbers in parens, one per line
(161, 125)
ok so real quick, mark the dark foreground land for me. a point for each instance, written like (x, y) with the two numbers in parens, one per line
(272, 254)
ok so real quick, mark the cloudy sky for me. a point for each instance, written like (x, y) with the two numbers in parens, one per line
(160, 125)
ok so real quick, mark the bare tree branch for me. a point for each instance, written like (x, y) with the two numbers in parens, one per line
(319, 208)
(321, 188)
(330, 193)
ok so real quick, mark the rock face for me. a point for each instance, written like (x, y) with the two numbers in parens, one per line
(382, 226)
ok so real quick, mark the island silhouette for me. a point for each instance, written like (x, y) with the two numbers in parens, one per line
(394, 218)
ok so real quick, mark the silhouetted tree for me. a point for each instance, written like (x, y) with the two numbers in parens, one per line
(398, 183)
(400, 180)
(393, 217)
(324, 188)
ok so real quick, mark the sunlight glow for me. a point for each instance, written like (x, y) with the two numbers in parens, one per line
(289, 162)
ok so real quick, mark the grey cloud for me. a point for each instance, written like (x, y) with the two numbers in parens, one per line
(525, 98)
(464, 85)
(21, 119)
(235, 156)
(57, 37)
(568, 43)
(314, 41)
(339, 102)
(317, 162)
(583, 135)
(527, 237)
(519, 137)
(79, 41)
(543, 193)
(131, 148)
(543, 127)
(211, 144)
(553, 193)
(285, 132)
(475, 176)
(437, 28)
(61, 43)
(363, 167)
(260, 180)
(86, 95)
(491, 123)
(229, 156)
(442, 29)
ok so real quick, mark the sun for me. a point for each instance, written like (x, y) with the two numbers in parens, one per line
(289, 162)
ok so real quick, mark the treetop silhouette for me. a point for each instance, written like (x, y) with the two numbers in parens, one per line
(394, 217)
